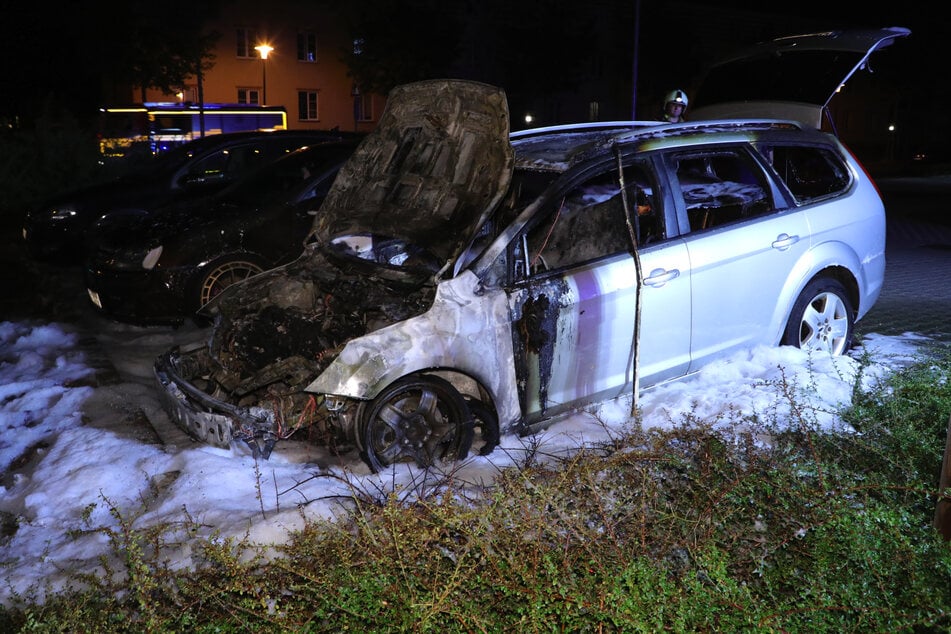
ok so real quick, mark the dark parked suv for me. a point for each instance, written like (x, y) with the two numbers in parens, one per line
(55, 229)
(163, 265)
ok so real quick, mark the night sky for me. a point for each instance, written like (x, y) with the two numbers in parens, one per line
(56, 49)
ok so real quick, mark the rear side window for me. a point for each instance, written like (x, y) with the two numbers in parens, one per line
(226, 165)
(809, 172)
(720, 186)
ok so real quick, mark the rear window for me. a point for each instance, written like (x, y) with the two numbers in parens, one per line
(809, 172)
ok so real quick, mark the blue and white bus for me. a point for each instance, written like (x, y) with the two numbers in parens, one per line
(157, 126)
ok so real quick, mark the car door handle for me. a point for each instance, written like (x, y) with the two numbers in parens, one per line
(659, 277)
(783, 241)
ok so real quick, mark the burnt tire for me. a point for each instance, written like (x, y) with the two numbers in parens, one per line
(485, 425)
(822, 318)
(221, 274)
(418, 419)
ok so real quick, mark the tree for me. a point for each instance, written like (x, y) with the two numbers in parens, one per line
(161, 49)
(67, 53)
(400, 42)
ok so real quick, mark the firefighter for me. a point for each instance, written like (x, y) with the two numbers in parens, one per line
(675, 105)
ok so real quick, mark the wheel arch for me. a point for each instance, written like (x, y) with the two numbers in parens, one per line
(831, 259)
(463, 335)
(839, 273)
(197, 277)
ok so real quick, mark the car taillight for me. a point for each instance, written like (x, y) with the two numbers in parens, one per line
(864, 171)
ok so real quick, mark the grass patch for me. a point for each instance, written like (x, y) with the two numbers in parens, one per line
(691, 529)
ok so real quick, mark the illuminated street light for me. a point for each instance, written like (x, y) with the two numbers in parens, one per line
(264, 50)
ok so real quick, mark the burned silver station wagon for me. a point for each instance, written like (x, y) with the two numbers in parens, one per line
(461, 282)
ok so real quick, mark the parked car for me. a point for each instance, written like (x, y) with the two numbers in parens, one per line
(162, 266)
(463, 285)
(55, 230)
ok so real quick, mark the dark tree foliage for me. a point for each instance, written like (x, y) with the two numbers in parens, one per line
(72, 53)
(401, 42)
(161, 44)
(539, 46)
(530, 48)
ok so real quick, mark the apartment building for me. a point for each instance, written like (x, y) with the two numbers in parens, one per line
(300, 68)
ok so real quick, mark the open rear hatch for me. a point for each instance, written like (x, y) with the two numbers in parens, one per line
(791, 77)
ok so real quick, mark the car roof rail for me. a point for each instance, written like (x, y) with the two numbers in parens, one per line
(577, 127)
(699, 127)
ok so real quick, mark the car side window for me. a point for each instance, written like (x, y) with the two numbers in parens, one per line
(225, 165)
(589, 221)
(809, 172)
(720, 187)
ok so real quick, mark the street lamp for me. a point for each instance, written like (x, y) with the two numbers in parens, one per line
(264, 49)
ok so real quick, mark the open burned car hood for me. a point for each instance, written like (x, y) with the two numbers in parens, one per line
(416, 189)
(791, 77)
(427, 177)
(397, 216)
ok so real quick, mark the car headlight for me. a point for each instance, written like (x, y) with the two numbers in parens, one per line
(135, 259)
(151, 258)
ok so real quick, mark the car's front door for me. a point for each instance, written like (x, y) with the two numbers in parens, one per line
(575, 303)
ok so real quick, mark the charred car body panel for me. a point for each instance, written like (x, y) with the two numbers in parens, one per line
(615, 256)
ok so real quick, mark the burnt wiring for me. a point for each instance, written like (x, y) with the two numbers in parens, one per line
(544, 244)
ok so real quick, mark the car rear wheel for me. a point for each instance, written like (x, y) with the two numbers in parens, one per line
(223, 273)
(822, 318)
(417, 419)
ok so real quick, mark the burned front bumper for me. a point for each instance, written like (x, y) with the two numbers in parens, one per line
(205, 417)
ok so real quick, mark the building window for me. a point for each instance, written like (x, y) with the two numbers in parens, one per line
(363, 107)
(306, 46)
(250, 96)
(594, 111)
(188, 94)
(307, 105)
(246, 41)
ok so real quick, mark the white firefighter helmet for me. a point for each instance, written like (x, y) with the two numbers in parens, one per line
(677, 96)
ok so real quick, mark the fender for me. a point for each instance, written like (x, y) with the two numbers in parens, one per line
(832, 254)
(466, 330)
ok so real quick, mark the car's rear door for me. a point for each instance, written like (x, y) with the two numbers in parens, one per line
(744, 243)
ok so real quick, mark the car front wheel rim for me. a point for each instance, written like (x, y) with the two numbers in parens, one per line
(223, 276)
(419, 419)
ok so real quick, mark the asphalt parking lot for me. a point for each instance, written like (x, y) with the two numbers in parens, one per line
(916, 296)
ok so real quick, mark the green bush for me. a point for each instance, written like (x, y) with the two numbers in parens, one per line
(56, 154)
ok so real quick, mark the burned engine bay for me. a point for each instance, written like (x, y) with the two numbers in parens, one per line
(400, 212)
(276, 332)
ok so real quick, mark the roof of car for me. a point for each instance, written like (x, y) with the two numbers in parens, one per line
(556, 148)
